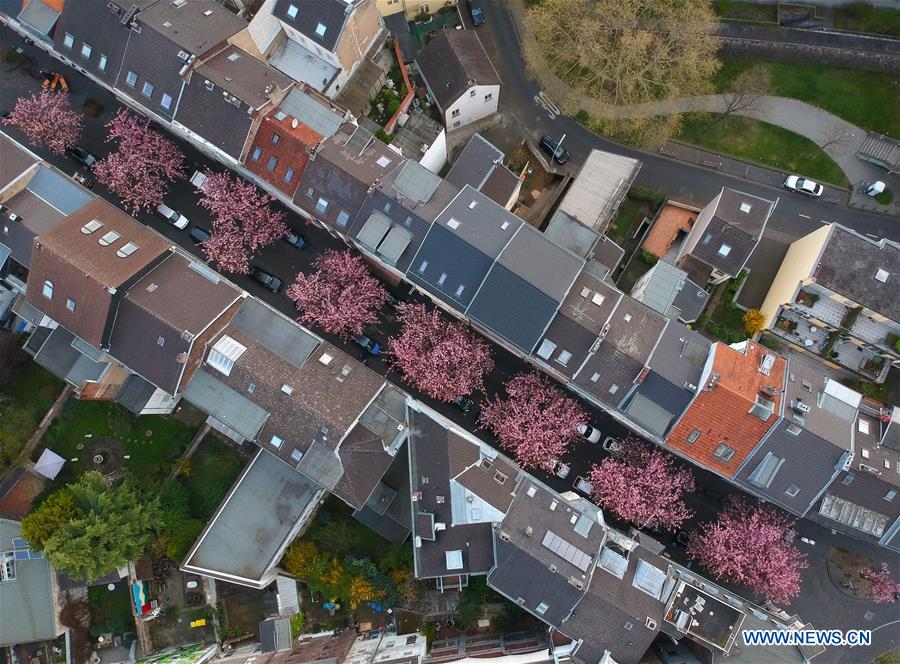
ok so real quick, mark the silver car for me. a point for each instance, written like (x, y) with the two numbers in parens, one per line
(179, 221)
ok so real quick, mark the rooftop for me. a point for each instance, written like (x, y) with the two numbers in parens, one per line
(703, 617)
(194, 25)
(321, 117)
(303, 65)
(418, 133)
(25, 591)
(15, 159)
(453, 61)
(250, 80)
(321, 21)
(480, 165)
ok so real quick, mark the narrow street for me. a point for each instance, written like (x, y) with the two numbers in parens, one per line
(821, 603)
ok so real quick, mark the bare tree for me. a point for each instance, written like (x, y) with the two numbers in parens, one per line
(750, 86)
(834, 136)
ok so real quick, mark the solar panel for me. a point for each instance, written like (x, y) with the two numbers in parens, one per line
(21, 555)
(566, 551)
(19, 543)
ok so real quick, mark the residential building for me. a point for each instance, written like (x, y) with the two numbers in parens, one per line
(421, 139)
(281, 147)
(318, 43)
(597, 191)
(225, 98)
(741, 397)
(388, 649)
(412, 8)
(460, 77)
(723, 236)
(28, 591)
(668, 291)
(165, 41)
(94, 36)
(836, 295)
(480, 165)
(38, 17)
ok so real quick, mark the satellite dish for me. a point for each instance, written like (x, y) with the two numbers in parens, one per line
(294, 123)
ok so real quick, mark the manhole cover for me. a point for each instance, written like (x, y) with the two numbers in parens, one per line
(869, 615)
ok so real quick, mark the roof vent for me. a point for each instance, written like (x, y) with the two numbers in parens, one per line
(529, 531)
(179, 3)
(294, 123)
(208, 12)
(326, 359)
(746, 207)
(651, 623)
(882, 275)
(151, 288)
(713, 381)
(578, 584)
(553, 568)
(505, 536)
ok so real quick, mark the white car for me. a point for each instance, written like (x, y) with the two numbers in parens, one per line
(803, 185)
(179, 221)
(589, 433)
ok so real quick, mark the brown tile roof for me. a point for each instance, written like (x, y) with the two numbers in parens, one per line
(20, 493)
(500, 185)
(247, 78)
(291, 150)
(494, 484)
(671, 219)
(14, 160)
(721, 413)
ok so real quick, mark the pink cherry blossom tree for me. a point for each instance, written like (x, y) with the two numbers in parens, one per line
(243, 221)
(47, 118)
(536, 421)
(146, 161)
(882, 587)
(440, 357)
(643, 485)
(341, 296)
(750, 545)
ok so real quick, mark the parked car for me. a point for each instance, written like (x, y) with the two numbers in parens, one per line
(393, 300)
(803, 185)
(613, 445)
(265, 279)
(589, 433)
(561, 470)
(295, 240)
(198, 234)
(682, 539)
(475, 12)
(552, 147)
(81, 155)
(464, 403)
(371, 346)
(583, 486)
(179, 221)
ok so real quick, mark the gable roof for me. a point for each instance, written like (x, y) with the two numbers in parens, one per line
(480, 165)
(364, 461)
(721, 410)
(250, 80)
(194, 25)
(15, 159)
(330, 14)
(453, 61)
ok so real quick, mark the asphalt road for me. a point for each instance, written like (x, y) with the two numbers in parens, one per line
(820, 603)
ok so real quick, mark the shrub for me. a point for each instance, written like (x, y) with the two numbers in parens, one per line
(753, 321)
(583, 116)
(648, 257)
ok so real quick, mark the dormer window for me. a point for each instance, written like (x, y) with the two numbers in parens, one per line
(126, 250)
(91, 226)
(108, 239)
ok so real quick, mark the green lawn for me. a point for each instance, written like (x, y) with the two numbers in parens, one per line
(863, 98)
(761, 143)
(110, 610)
(23, 403)
(862, 17)
(151, 443)
(214, 468)
(746, 11)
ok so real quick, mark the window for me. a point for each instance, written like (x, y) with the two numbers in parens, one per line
(272, 164)
(251, 388)
(276, 442)
(309, 192)
(541, 608)
(442, 279)
(321, 205)
(166, 102)
(489, 96)
(763, 408)
(865, 453)
(292, 11)
(456, 124)
(234, 57)
(472, 92)
(408, 221)
(595, 377)
(147, 90)
(289, 175)
(383, 162)
(693, 436)
(848, 478)
(453, 224)
(108, 239)
(707, 238)
(890, 495)
(86, 50)
(275, 139)
(70, 304)
(793, 429)
(724, 250)
(724, 452)
(564, 357)
(126, 250)
(209, 85)
(472, 205)
(806, 385)
(546, 349)
(48, 290)
(765, 472)
(224, 354)
(320, 30)
(161, 341)
(102, 64)
(91, 226)
(257, 153)
(792, 490)
(423, 266)
(455, 113)
(342, 218)
(613, 388)
(863, 426)
(287, 389)
(387, 207)
(131, 78)
(460, 289)
(69, 40)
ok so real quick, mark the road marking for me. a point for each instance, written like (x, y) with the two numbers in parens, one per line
(544, 101)
(805, 216)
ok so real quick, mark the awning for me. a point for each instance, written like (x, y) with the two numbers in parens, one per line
(49, 464)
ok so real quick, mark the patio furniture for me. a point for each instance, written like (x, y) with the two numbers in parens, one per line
(808, 342)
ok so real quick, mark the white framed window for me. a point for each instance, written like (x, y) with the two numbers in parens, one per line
(48, 289)
(147, 89)
(564, 357)
(863, 426)
(693, 436)
(103, 62)
(763, 408)
(423, 266)
(454, 113)
(383, 162)
(131, 78)
(108, 238)
(546, 349)
(289, 175)
(86, 50)
(724, 250)
(70, 304)
(161, 341)
(287, 389)
(724, 452)
(489, 96)
(69, 41)
(342, 218)
(256, 154)
(541, 608)
(166, 102)
(321, 205)
(442, 279)
(890, 495)
(224, 354)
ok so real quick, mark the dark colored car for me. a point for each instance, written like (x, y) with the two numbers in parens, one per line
(81, 155)
(552, 147)
(475, 12)
(265, 279)
(368, 344)
(295, 240)
(198, 234)
(464, 403)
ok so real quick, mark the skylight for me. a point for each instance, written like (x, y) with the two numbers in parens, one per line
(126, 250)
(746, 207)
(91, 226)
(453, 223)
(234, 57)
(882, 275)
(224, 354)
(292, 11)
(320, 29)
(108, 239)
(383, 162)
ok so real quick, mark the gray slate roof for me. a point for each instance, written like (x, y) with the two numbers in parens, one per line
(254, 520)
(476, 161)
(195, 26)
(690, 302)
(60, 358)
(332, 14)
(319, 117)
(680, 355)
(275, 331)
(657, 402)
(225, 404)
(450, 61)
(663, 284)
(28, 607)
(15, 159)
(135, 393)
(418, 130)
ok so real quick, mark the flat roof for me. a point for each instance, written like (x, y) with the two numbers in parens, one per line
(598, 189)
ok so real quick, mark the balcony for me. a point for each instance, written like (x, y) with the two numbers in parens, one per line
(856, 320)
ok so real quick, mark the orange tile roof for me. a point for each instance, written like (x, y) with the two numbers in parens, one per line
(721, 413)
(671, 219)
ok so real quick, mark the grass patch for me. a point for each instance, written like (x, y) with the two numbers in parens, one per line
(762, 143)
(110, 609)
(886, 197)
(746, 11)
(631, 213)
(863, 17)
(213, 469)
(859, 97)
(23, 403)
(892, 657)
(151, 442)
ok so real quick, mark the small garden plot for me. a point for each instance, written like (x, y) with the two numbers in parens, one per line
(387, 102)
